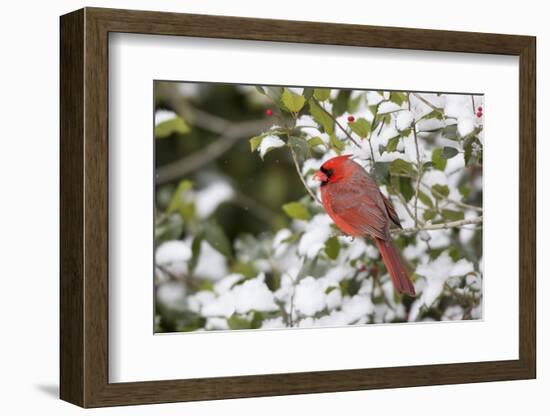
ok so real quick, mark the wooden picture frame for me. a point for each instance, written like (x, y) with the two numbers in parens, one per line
(84, 207)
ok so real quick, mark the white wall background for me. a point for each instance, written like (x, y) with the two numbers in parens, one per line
(29, 85)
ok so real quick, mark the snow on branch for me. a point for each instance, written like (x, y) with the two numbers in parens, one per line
(440, 226)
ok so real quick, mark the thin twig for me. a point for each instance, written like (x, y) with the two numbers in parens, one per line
(298, 171)
(337, 123)
(233, 134)
(429, 104)
(371, 151)
(418, 165)
(453, 201)
(405, 205)
(439, 226)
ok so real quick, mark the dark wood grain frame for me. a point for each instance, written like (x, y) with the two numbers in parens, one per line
(84, 207)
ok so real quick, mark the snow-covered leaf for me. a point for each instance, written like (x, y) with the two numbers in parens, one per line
(269, 143)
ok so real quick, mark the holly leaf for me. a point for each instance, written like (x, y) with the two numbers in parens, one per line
(437, 114)
(332, 247)
(452, 215)
(300, 147)
(216, 237)
(397, 97)
(450, 132)
(438, 160)
(321, 94)
(361, 127)
(321, 117)
(336, 143)
(237, 322)
(340, 105)
(195, 252)
(449, 152)
(315, 141)
(176, 125)
(400, 166)
(406, 188)
(381, 171)
(308, 93)
(293, 102)
(392, 144)
(429, 214)
(181, 205)
(440, 191)
(296, 210)
(255, 142)
(426, 200)
(275, 93)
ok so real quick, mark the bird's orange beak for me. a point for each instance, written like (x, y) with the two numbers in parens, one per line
(320, 176)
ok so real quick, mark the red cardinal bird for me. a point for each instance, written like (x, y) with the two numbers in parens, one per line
(354, 202)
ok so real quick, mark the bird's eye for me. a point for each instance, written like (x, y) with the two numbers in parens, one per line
(327, 172)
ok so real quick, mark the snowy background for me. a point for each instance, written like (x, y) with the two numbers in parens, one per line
(242, 243)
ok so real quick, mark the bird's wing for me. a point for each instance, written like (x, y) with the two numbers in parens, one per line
(391, 212)
(360, 206)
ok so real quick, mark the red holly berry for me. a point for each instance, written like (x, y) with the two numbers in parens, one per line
(362, 268)
(479, 113)
(269, 112)
(480, 109)
(351, 119)
(374, 271)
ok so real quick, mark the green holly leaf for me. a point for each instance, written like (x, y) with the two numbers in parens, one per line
(452, 215)
(400, 166)
(361, 127)
(449, 152)
(255, 142)
(321, 117)
(293, 102)
(438, 160)
(406, 188)
(337, 144)
(195, 252)
(300, 147)
(340, 104)
(429, 214)
(315, 141)
(237, 322)
(332, 247)
(398, 97)
(440, 191)
(308, 93)
(180, 204)
(435, 114)
(426, 200)
(215, 236)
(275, 93)
(321, 94)
(296, 210)
(392, 144)
(176, 125)
(381, 171)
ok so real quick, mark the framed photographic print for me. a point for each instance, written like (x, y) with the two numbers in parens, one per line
(257, 207)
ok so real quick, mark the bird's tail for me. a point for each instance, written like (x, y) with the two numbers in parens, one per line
(396, 266)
